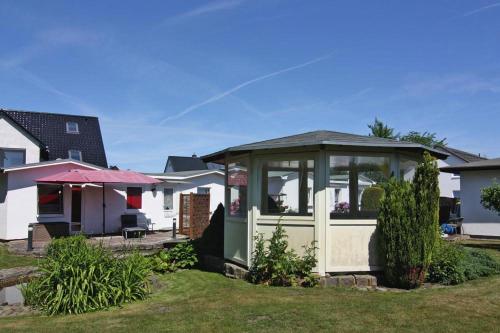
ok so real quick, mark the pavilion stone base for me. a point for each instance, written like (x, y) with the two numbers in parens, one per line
(234, 271)
(347, 281)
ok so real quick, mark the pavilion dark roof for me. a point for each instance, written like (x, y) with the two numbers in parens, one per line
(327, 138)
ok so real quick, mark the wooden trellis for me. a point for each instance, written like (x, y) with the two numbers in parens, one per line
(194, 214)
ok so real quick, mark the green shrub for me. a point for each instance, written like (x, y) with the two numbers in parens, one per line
(454, 264)
(396, 221)
(278, 266)
(478, 263)
(490, 197)
(408, 225)
(370, 200)
(181, 256)
(258, 271)
(426, 192)
(447, 265)
(77, 277)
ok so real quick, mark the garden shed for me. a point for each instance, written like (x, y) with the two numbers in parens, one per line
(321, 186)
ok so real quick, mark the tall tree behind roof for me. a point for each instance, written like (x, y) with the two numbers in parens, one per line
(425, 138)
(381, 130)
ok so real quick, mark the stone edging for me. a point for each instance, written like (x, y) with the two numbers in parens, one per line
(16, 275)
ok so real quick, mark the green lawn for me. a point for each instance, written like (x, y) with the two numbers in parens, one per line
(207, 302)
(195, 301)
(8, 260)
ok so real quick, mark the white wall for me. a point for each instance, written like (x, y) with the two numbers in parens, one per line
(152, 203)
(478, 220)
(11, 137)
(449, 184)
(3, 205)
(20, 205)
(21, 201)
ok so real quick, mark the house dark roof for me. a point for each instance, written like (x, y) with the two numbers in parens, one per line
(184, 163)
(463, 155)
(325, 138)
(50, 130)
(493, 164)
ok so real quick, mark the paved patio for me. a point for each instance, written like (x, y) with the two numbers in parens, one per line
(116, 243)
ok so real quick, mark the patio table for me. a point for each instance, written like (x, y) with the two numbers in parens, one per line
(138, 230)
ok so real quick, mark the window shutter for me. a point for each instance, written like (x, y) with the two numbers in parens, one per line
(134, 198)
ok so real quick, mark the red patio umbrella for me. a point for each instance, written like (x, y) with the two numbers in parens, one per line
(80, 176)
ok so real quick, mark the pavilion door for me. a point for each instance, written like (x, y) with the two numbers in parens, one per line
(76, 209)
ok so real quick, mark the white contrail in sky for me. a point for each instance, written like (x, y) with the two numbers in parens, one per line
(204, 10)
(481, 9)
(242, 85)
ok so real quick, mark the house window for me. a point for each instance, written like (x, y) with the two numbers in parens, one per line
(355, 185)
(134, 197)
(287, 187)
(168, 199)
(75, 154)
(72, 127)
(12, 157)
(50, 199)
(236, 189)
(203, 190)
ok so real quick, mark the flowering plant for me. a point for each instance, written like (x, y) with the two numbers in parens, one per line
(342, 207)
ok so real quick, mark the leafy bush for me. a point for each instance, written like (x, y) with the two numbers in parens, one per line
(181, 256)
(408, 225)
(478, 263)
(278, 266)
(77, 277)
(258, 271)
(490, 197)
(447, 265)
(454, 264)
(370, 200)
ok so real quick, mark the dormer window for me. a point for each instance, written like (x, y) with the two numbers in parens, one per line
(72, 127)
(75, 154)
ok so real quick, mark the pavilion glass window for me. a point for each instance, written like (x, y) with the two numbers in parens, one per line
(236, 189)
(288, 187)
(355, 184)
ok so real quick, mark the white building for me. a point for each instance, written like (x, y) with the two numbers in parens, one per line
(26, 156)
(449, 183)
(474, 176)
(185, 182)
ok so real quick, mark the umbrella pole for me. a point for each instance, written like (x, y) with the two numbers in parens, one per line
(103, 210)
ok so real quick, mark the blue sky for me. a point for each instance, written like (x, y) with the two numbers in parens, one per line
(182, 77)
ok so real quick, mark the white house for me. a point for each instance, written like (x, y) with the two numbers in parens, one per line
(475, 176)
(36, 145)
(449, 183)
(79, 206)
(166, 207)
